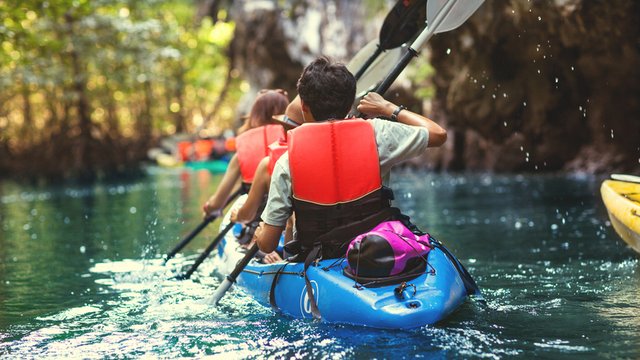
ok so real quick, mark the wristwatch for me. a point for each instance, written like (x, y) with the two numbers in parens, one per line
(394, 116)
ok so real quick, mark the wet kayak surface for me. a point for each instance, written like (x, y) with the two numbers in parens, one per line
(81, 274)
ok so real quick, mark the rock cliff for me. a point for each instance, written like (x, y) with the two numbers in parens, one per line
(543, 85)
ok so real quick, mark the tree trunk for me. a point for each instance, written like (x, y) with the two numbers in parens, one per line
(85, 162)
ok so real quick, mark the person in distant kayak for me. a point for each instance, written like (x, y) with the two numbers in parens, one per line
(332, 176)
(251, 146)
(256, 198)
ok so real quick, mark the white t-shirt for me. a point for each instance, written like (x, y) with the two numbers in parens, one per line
(396, 143)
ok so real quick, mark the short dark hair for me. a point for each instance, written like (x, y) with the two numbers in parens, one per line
(327, 88)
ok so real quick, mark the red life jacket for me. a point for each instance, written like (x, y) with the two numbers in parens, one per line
(336, 183)
(252, 146)
(276, 150)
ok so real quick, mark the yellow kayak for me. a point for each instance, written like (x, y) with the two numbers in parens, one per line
(622, 199)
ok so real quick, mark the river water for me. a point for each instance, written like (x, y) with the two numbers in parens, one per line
(81, 275)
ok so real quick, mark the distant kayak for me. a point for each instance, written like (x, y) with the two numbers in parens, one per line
(214, 166)
(622, 200)
(423, 300)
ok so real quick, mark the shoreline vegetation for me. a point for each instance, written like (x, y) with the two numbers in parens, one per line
(88, 87)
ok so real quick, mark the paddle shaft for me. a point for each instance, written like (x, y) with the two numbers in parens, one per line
(207, 251)
(368, 63)
(395, 31)
(231, 278)
(199, 228)
(189, 237)
(412, 51)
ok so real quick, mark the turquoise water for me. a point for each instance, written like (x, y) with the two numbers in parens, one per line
(81, 275)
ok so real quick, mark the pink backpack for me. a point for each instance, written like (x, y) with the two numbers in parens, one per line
(389, 250)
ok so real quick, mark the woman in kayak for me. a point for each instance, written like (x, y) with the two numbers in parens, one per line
(251, 146)
(257, 196)
(332, 175)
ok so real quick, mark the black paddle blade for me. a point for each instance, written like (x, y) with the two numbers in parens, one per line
(403, 22)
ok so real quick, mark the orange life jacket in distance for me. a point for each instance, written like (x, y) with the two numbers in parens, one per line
(252, 146)
(276, 150)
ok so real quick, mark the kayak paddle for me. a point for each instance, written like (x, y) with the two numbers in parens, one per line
(383, 64)
(442, 16)
(469, 284)
(231, 278)
(400, 25)
(206, 252)
(207, 220)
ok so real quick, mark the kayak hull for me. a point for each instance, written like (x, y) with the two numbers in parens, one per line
(427, 299)
(622, 200)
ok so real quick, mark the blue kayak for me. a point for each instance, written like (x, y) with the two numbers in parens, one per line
(424, 300)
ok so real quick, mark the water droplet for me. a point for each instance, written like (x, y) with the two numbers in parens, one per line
(505, 124)
(554, 226)
(448, 51)
(518, 225)
(133, 210)
(539, 18)
(524, 103)
(83, 249)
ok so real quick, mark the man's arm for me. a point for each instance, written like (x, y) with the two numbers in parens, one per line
(278, 209)
(375, 105)
(267, 237)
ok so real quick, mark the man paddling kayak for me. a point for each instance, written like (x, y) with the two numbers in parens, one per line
(332, 176)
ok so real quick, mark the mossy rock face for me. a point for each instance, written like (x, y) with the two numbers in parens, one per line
(561, 74)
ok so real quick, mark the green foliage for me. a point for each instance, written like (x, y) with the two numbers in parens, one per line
(421, 73)
(138, 70)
